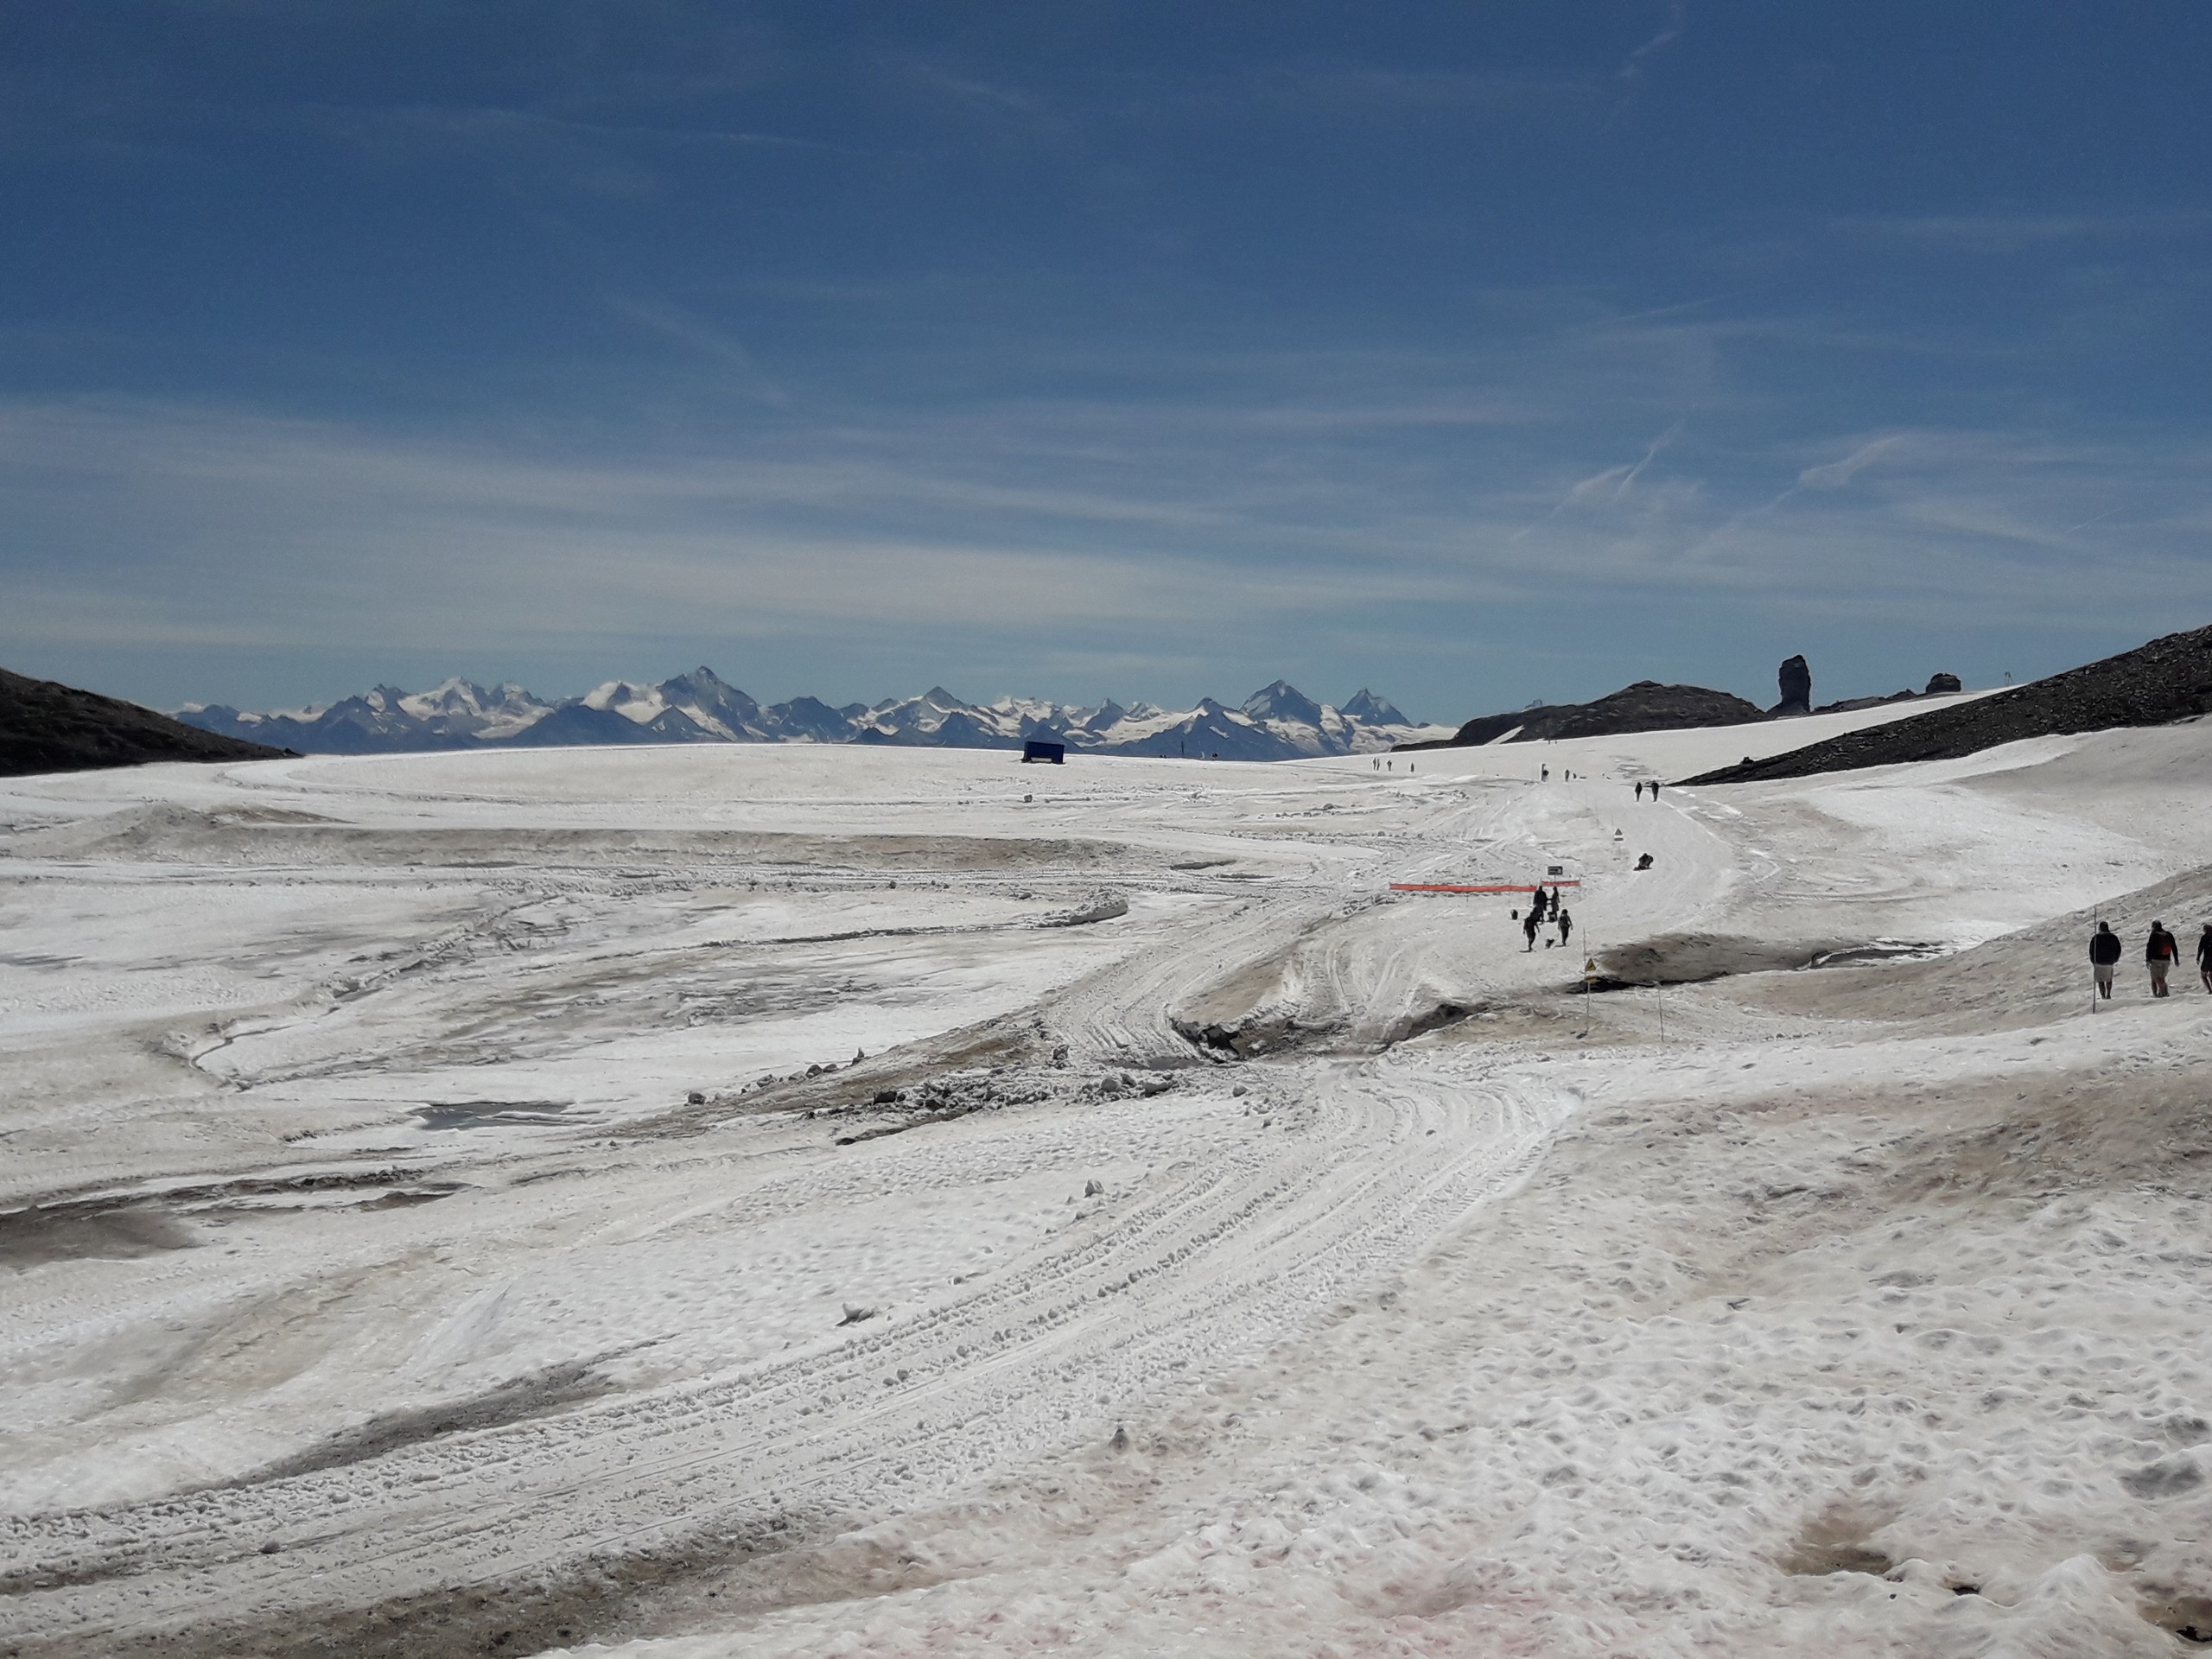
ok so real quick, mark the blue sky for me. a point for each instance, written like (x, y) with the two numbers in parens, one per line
(1478, 353)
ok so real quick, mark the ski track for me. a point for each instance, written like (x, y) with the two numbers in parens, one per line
(1220, 1261)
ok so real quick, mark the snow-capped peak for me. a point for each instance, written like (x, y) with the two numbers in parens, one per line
(642, 703)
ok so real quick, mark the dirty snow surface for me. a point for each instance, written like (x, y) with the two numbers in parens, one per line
(712, 1201)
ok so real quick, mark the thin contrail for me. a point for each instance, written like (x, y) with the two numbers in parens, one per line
(2085, 523)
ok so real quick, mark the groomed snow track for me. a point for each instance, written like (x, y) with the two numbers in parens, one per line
(1212, 1261)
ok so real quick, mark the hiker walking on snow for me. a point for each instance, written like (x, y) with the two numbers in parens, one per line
(2161, 952)
(2204, 957)
(2104, 957)
(1529, 925)
(1639, 789)
(1565, 927)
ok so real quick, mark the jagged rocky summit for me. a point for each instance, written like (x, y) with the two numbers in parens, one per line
(45, 726)
(1277, 723)
(1795, 683)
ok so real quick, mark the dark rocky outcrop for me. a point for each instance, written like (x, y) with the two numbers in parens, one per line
(2167, 680)
(1939, 685)
(1647, 706)
(47, 726)
(1795, 683)
(1849, 703)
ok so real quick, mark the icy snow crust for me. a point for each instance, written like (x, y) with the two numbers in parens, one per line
(1252, 1262)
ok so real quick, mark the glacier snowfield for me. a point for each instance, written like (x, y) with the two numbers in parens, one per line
(711, 1200)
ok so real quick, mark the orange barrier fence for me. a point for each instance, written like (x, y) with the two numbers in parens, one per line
(1504, 886)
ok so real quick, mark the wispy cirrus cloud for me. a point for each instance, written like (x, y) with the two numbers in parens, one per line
(1835, 474)
(696, 334)
(2001, 232)
(1632, 66)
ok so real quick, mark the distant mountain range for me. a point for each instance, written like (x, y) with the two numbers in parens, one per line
(1277, 723)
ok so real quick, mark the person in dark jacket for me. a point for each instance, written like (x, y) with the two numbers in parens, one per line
(2161, 952)
(1529, 924)
(2104, 957)
(1566, 926)
(2204, 957)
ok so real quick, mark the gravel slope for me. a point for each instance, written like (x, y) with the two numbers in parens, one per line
(47, 726)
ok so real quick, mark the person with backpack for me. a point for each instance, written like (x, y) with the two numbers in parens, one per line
(2104, 957)
(2161, 952)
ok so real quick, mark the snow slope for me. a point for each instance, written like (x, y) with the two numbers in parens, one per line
(387, 1289)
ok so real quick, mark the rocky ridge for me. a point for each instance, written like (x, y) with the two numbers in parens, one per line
(1647, 706)
(2167, 680)
(45, 726)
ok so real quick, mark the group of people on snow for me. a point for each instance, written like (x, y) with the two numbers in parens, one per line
(2160, 952)
(1546, 906)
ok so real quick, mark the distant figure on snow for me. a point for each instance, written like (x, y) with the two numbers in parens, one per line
(1528, 926)
(2161, 952)
(2204, 957)
(1639, 789)
(1655, 789)
(1543, 774)
(1565, 927)
(2104, 957)
(1644, 862)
